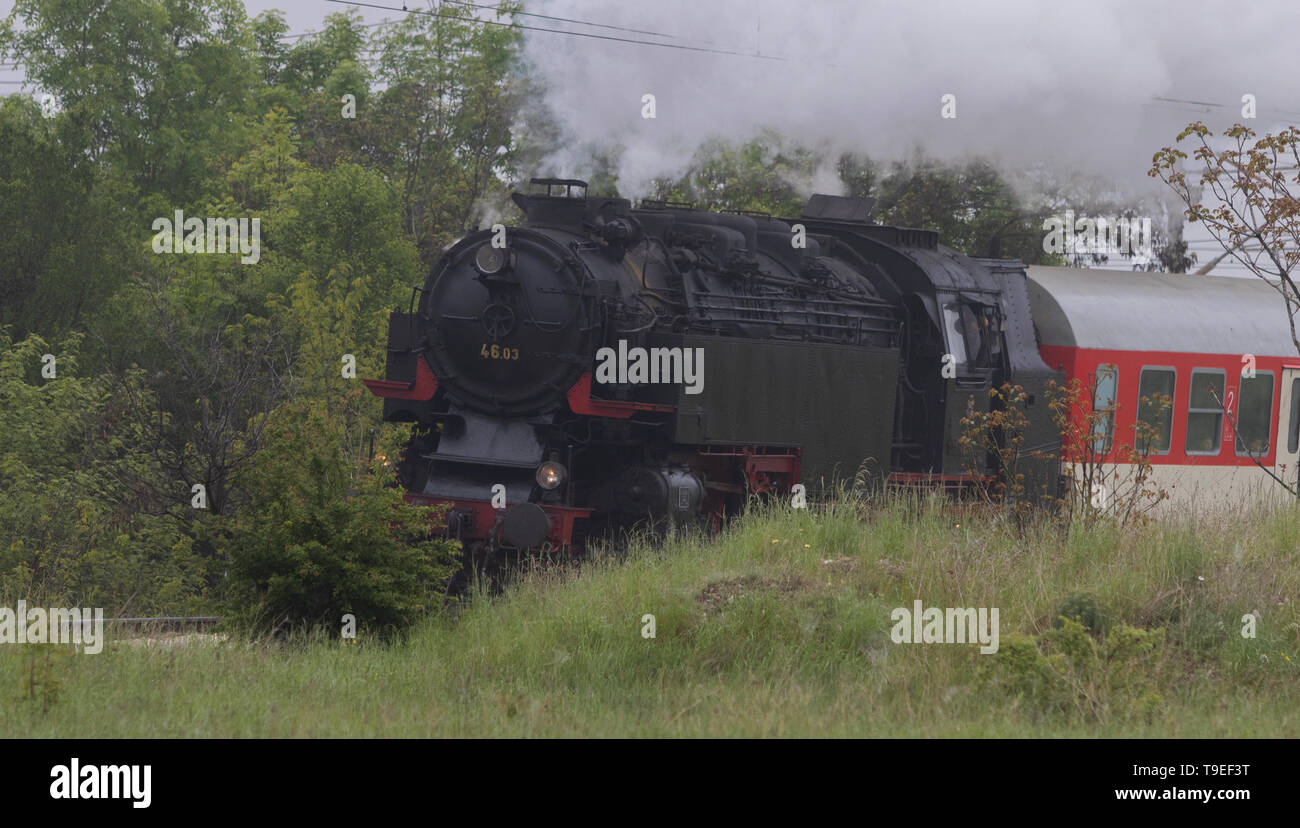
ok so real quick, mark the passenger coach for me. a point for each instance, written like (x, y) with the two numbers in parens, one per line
(1194, 339)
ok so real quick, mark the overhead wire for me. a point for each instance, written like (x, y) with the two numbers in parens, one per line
(522, 13)
(591, 35)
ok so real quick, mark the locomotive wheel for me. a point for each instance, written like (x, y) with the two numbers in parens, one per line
(457, 584)
(479, 564)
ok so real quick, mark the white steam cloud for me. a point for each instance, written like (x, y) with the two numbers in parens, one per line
(1068, 85)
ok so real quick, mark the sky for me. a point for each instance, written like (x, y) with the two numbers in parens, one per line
(1096, 87)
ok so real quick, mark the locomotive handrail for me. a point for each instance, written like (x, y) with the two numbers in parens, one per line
(665, 203)
(749, 213)
(415, 290)
(787, 308)
(786, 301)
(836, 326)
(778, 314)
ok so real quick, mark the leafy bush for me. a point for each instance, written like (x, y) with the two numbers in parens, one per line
(321, 537)
(1083, 608)
(1066, 672)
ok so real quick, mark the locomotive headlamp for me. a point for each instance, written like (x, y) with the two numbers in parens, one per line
(490, 260)
(550, 475)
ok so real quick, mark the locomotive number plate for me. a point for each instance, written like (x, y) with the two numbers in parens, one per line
(495, 351)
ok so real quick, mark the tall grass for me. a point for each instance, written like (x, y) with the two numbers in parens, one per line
(780, 627)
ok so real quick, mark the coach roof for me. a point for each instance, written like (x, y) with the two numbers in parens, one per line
(1132, 311)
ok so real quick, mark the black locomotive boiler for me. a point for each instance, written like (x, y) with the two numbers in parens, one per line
(601, 365)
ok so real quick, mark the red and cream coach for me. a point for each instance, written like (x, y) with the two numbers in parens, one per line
(1219, 347)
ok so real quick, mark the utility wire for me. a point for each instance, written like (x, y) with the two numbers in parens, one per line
(384, 22)
(521, 13)
(591, 35)
(1216, 105)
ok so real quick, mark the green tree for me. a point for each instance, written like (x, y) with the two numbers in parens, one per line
(348, 266)
(1247, 198)
(66, 245)
(983, 210)
(317, 57)
(155, 82)
(323, 537)
(442, 127)
(212, 369)
(259, 178)
(186, 104)
(766, 174)
(310, 80)
(974, 209)
(80, 520)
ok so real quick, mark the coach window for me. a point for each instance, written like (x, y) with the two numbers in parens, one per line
(1103, 407)
(1154, 384)
(1255, 414)
(1205, 412)
(1293, 436)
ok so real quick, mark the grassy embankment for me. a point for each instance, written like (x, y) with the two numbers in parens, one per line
(778, 628)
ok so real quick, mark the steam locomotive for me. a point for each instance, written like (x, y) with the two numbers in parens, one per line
(603, 365)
